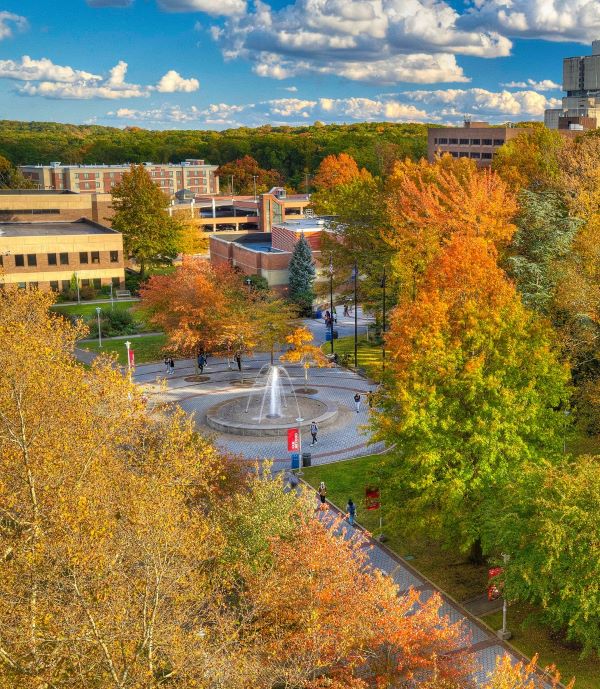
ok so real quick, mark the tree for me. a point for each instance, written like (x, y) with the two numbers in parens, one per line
(11, 177)
(543, 240)
(303, 351)
(550, 527)
(272, 320)
(248, 176)
(150, 234)
(509, 675)
(302, 276)
(192, 239)
(475, 393)
(335, 170)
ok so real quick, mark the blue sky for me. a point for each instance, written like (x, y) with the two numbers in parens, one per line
(224, 63)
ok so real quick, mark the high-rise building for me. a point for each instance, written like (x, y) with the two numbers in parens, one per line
(581, 106)
(193, 175)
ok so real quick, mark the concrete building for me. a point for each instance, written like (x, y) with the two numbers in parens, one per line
(581, 106)
(192, 174)
(47, 254)
(268, 254)
(476, 140)
(27, 205)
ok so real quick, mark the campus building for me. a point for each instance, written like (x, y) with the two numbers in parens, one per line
(48, 254)
(581, 106)
(28, 205)
(268, 254)
(192, 174)
(476, 140)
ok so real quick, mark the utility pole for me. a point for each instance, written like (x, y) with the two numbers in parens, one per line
(355, 274)
(331, 299)
(383, 285)
(254, 178)
(306, 176)
(231, 184)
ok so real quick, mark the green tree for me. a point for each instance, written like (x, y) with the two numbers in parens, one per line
(544, 236)
(302, 276)
(549, 524)
(11, 178)
(150, 234)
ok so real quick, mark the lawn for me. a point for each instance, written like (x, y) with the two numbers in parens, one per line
(369, 353)
(86, 310)
(147, 348)
(449, 570)
(531, 637)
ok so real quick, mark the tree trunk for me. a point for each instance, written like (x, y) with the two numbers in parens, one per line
(476, 553)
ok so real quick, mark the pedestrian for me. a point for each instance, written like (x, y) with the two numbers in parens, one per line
(201, 362)
(314, 429)
(322, 494)
(334, 314)
(167, 366)
(351, 511)
(171, 366)
(327, 317)
(238, 361)
(346, 312)
(357, 402)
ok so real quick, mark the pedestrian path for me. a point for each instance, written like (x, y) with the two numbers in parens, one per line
(478, 639)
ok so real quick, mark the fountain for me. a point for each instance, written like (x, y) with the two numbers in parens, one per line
(270, 408)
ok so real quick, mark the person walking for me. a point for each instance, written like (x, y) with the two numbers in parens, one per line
(346, 312)
(171, 366)
(322, 494)
(334, 314)
(238, 361)
(357, 402)
(201, 362)
(167, 366)
(314, 429)
(351, 511)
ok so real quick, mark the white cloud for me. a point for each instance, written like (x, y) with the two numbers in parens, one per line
(10, 22)
(371, 109)
(172, 82)
(288, 107)
(28, 69)
(385, 41)
(291, 89)
(213, 7)
(543, 85)
(552, 20)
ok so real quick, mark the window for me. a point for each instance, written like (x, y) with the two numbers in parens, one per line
(454, 154)
(114, 256)
(31, 260)
(54, 285)
(453, 141)
(443, 141)
(85, 282)
(64, 259)
(475, 155)
(97, 282)
(486, 156)
(51, 259)
(33, 285)
(95, 257)
(19, 260)
(66, 285)
(463, 142)
(486, 142)
(463, 154)
(475, 142)
(83, 257)
(22, 285)
(498, 142)
(116, 282)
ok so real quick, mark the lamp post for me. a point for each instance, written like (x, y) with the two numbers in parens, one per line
(98, 312)
(77, 286)
(254, 178)
(331, 299)
(355, 276)
(127, 346)
(503, 633)
(383, 286)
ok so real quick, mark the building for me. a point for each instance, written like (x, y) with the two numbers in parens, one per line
(27, 205)
(581, 106)
(476, 140)
(268, 254)
(193, 175)
(47, 254)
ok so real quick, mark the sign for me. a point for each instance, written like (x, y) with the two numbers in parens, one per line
(293, 440)
(372, 499)
(494, 589)
(131, 358)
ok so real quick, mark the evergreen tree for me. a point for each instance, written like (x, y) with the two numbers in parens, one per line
(302, 276)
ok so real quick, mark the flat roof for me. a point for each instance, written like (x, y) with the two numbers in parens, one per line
(49, 229)
(317, 223)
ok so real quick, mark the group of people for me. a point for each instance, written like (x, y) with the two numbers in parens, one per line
(350, 507)
(330, 317)
(169, 365)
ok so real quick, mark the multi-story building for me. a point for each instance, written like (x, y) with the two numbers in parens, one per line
(194, 175)
(29, 205)
(476, 140)
(581, 106)
(48, 254)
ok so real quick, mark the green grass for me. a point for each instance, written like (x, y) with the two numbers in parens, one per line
(147, 348)
(531, 637)
(449, 570)
(369, 353)
(86, 310)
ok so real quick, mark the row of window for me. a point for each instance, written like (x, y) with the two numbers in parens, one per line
(31, 211)
(469, 142)
(465, 154)
(64, 285)
(61, 258)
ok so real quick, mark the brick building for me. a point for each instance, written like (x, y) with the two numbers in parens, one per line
(47, 254)
(192, 174)
(27, 205)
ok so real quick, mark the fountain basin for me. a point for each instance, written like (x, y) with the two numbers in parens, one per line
(230, 416)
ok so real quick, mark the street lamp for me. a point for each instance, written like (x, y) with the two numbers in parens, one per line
(503, 633)
(127, 346)
(254, 178)
(331, 299)
(98, 312)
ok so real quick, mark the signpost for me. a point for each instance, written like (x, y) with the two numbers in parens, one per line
(294, 445)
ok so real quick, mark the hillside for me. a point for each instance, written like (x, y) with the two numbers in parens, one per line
(293, 151)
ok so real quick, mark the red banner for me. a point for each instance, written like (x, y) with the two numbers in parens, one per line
(131, 358)
(293, 440)
(372, 500)
(494, 590)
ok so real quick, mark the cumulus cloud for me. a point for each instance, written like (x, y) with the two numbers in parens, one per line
(172, 82)
(216, 114)
(10, 22)
(385, 41)
(213, 7)
(44, 78)
(552, 20)
(543, 85)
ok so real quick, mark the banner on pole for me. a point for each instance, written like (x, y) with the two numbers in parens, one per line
(131, 358)
(372, 498)
(293, 437)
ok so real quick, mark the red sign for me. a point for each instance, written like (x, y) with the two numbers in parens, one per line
(131, 358)
(494, 590)
(293, 440)
(372, 501)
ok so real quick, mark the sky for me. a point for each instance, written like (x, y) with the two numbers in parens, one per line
(216, 64)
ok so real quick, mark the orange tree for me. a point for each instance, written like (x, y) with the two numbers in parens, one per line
(243, 171)
(475, 391)
(303, 351)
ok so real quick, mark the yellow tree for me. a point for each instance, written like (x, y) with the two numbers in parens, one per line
(192, 239)
(303, 351)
